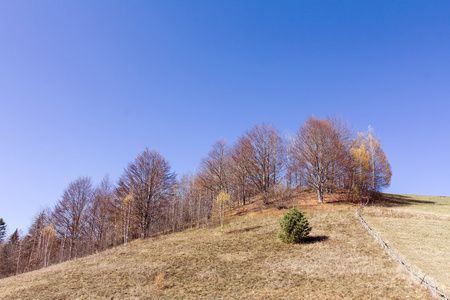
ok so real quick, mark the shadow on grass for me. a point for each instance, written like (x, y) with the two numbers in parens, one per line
(392, 200)
(315, 239)
(243, 230)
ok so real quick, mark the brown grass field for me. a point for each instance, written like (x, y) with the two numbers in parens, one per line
(418, 229)
(248, 261)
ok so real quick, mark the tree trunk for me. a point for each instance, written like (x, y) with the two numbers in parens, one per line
(18, 258)
(72, 242)
(320, 195)
(62, 250)
(45, 255)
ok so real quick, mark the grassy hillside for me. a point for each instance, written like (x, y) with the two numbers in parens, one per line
(340, 260)
(418, 228)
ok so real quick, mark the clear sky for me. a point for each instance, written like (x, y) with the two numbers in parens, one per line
(87, 85)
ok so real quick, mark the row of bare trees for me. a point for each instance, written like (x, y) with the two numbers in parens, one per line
(148, 199)
(322, 155)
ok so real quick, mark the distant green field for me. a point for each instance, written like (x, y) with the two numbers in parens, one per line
(418, 228)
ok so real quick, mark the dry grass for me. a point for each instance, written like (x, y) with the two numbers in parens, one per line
(418, 228)
(340, 260)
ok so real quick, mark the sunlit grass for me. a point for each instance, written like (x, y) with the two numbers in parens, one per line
(418, 228)
(247, 260)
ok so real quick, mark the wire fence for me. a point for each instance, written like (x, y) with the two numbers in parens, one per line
(424, 279)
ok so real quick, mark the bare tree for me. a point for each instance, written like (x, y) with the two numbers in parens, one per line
(99, 218)
(322, 151)
(342, 166)
(70, 212)
(10, 255)
(33, 241)
(214, 169)
(151, 182)
(292, 170)
(241, 155)
(183, 206)
(191, 206)
(267, 157)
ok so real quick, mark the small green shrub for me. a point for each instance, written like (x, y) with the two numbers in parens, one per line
(295, 226)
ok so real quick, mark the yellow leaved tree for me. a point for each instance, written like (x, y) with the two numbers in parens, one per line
(371, 169)
(126, 205)
(48, 236)
(223, 206)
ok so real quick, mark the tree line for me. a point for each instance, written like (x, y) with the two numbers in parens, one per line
(149, 199)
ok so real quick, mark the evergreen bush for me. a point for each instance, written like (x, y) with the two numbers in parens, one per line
(295, 227)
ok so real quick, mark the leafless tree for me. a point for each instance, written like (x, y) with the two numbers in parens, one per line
(69, 215)
(291, 168)
(11, 255)
(267, 159)
(33, 241)
(150, 181)
(214, 169)
(241, 156)
(322, 151)
(99, 218)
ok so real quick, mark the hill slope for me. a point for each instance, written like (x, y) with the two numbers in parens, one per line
(417, 228)
(340, 260)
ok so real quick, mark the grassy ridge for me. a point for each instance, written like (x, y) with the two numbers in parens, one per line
(418, 227)
(340, 260)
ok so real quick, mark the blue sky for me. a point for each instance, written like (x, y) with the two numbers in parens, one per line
(87, 85)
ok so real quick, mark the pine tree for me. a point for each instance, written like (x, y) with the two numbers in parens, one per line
(295, 226)
(2, 230)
